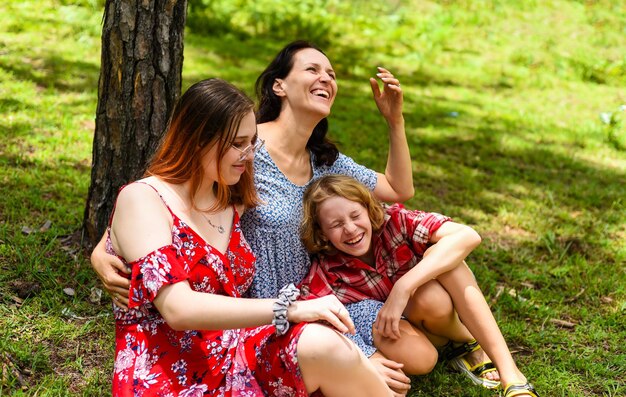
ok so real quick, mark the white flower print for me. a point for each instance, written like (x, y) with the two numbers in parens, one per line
(177, 242)
(154, 270)
(282, 390)
(194, 391)
(124, 360)
(143, 366)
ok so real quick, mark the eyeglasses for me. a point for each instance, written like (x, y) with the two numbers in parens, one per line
(253, 147)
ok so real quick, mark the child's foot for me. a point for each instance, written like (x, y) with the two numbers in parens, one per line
(519, 389)
(479, 356)
(470, 359)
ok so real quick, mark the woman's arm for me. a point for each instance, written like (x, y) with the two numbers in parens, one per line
(392, 373)
(183, 309)
(453, 242)
(396, 184)
(142, 225)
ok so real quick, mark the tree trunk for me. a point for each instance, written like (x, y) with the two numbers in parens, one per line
(140, 80)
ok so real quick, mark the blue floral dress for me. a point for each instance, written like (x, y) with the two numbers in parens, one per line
(272, 230)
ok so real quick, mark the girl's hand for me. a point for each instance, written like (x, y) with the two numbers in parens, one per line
(327, 308)
(392, 373)
(388, 320)
(390, 100)
(107, 267)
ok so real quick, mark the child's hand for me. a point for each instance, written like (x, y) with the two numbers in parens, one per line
(327, 308)
(388, 320)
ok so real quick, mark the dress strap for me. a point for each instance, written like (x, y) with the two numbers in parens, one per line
(145, 183)
(160, 196)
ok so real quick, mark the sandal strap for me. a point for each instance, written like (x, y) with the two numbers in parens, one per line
(515, 389)
(452, 351)
(483, 368)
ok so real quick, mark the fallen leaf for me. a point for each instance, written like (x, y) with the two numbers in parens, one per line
(514, 294)
(573, 298)
(24, 289)
(96, 295)
(46, 226)
(562, 323)
(606, 299)
(499, 290)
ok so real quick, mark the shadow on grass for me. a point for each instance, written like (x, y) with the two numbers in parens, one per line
(13, 105)
(53, 70)
(240, 61)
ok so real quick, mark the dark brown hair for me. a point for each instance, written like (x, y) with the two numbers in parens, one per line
(208, 113)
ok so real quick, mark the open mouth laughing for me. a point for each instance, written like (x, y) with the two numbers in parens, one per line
(321, 93)
(355, 240)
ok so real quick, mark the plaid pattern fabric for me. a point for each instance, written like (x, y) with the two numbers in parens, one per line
(398, 246)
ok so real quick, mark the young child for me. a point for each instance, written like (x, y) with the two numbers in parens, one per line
(363, 249)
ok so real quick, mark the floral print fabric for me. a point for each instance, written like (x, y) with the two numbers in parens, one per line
(152, 359)
(272, 229)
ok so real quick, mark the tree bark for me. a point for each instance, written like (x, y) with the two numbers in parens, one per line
(140, 80)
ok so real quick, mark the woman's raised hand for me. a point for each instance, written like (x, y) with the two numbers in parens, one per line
(327, 308)
(390, 100)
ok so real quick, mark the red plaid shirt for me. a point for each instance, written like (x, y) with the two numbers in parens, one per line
(398, 246)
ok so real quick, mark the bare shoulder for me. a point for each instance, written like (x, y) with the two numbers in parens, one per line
(141, 221)
(136, 190)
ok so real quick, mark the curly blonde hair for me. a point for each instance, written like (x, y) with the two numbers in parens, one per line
(334, 186)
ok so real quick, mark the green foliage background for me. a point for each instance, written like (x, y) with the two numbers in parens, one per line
(515, 116)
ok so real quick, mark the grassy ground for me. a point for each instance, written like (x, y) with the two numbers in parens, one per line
(514, 120)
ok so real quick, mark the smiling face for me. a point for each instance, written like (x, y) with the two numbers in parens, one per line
(346, 225)
(231, 164)
(310, 85)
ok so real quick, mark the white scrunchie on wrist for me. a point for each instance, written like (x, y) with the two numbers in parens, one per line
(286, 296)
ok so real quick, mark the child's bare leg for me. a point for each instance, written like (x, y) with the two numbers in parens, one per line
(333, 364)
(431, 309)
(476, 315)
(413, 349)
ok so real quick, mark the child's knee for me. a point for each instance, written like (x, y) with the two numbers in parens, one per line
(432, 301)
(422, 361)
(413, 350)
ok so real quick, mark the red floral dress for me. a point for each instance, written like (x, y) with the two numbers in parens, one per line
(152, 359)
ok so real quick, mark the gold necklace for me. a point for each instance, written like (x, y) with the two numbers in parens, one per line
(219, 228)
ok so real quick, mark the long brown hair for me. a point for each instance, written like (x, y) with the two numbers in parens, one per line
(334, 186)
(208, 113)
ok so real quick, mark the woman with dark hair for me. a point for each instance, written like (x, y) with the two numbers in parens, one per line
(187, 330)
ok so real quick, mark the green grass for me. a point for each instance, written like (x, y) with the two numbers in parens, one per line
(503, 104)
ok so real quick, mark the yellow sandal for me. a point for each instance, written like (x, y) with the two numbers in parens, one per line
(516, 389)
(456, 358)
